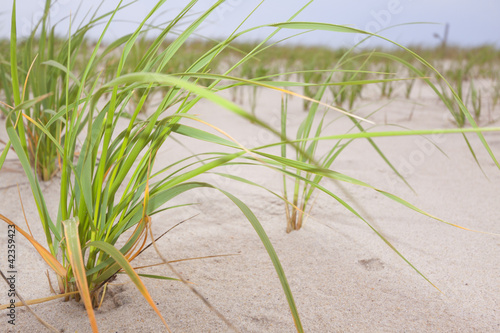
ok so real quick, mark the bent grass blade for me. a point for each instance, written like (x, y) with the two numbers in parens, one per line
(46, 255)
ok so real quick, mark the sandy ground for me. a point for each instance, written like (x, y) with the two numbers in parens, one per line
(343, 276)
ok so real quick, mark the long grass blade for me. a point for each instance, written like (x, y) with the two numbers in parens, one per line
(75, 257)
(46, 255)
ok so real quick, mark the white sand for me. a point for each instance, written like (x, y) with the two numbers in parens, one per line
(343, 276)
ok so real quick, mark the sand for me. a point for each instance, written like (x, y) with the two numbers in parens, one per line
(343, 276)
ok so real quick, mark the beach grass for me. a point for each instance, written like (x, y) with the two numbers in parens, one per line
(64, 101)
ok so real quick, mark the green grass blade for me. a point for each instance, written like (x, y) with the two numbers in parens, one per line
(48, 226)
(64, 69)
(4, 154)
(352, 210)
(157, 277)
(272, 254)
(364, 135)
(13, 56)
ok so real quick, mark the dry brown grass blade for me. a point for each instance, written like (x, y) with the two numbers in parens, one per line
(27, 77)
(46, 255)
(40, 300)
(138, 228)
(133, 253)
(37, 100)
(75, 257)
(50, 283)
(105, 287)
(7, 105)
(145, 221)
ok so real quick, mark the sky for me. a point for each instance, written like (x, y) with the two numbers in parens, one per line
(471, 23)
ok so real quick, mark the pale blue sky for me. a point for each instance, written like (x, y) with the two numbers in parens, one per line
(471, 22)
